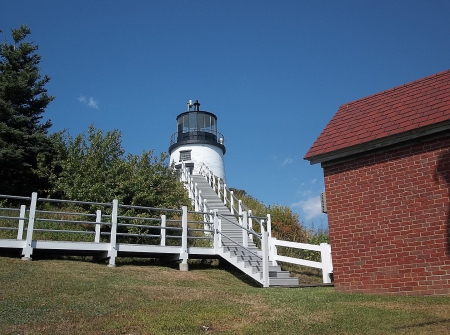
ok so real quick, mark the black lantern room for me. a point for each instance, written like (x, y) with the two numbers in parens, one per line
(196, 127)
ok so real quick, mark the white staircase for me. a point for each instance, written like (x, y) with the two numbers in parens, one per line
(248, 258)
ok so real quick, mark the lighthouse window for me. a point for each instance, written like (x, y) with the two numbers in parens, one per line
(201, 121)
(185, 155)
(192, 122)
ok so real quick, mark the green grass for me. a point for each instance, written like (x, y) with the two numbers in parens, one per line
(73, 296)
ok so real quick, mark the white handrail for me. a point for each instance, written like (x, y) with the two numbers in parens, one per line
(324, 248)
(272, 243)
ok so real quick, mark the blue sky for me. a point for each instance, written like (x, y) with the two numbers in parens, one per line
(274, 73)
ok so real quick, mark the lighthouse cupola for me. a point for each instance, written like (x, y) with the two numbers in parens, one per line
(197, 141)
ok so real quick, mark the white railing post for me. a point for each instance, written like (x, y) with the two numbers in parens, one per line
(232, 202)
(265, 257)
(196, 198)
(218, 187)
(200, 201)
(244, 231)
(163, 230)
(240, 212)
(205, 210)
(219, 239)
(191, 187)
(213, 182)
(250, 223)
(216, 233)
(225, 194)
(327, 265)
(208, 224)
(211, 220)
(112, 254)
(184, 266)
(21, 222)
(269, 225)
(98, 219)
(28, 250)
(273, 250)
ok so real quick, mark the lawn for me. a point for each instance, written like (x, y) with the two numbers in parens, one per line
(73, 296)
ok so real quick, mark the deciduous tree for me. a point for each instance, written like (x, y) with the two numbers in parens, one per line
(94, 167)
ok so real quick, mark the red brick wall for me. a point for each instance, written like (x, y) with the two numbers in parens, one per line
(388, 217)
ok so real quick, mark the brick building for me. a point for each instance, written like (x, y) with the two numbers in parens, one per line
(386, 163)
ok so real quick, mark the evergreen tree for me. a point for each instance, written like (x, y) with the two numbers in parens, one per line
(23, 99)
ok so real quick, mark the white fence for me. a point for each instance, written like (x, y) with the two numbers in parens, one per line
(103, 243)
(325, 264)
(246, 221)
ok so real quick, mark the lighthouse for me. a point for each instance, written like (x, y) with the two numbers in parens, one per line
(197, 141)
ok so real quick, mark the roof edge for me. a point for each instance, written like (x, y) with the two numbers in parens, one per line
(380, 143)
(395, 88)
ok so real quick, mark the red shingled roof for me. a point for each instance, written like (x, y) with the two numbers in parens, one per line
(418, 104)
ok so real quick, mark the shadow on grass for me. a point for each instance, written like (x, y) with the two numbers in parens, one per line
(424, 324)
(194, 265)
(45, 256)
(305, 275)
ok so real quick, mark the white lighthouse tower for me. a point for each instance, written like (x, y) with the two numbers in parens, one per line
(197, 141)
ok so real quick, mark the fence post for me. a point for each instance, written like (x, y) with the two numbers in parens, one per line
(225, 194)
(184, 266)
(197, 196)
(21, 222)
(163, 230)
(205, 210)
(200, 201)
(232, 202)
(327, 265)
(265, 257)
(98, 219)
(28, 250)
(273, 250)
(240, 212)
(218, 187)
(190, 183)
(244, 231)
(216, 232)
(269, 225)
(219, 239)
(250, 223)
(113, 237)
(209, 223)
